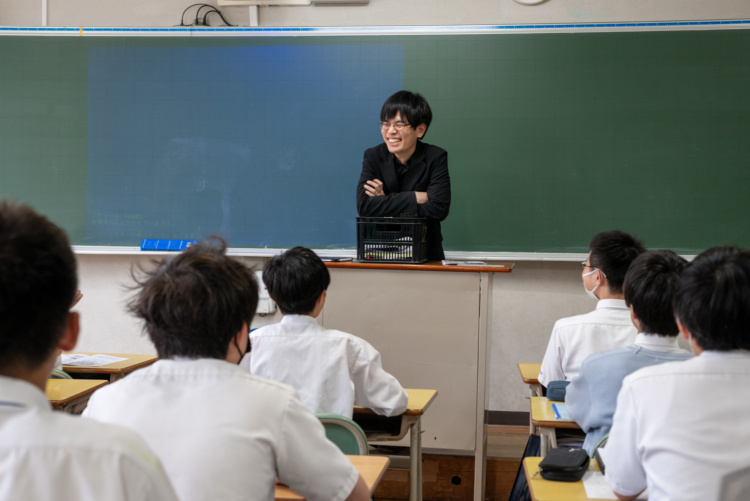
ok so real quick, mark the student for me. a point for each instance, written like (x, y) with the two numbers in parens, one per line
(404, 177)
(649, 288)
(680, 427)
(221, 432)
(50, 455)
(331, 370)
(608, 326)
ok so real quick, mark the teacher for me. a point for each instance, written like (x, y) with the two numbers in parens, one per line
(404, 177)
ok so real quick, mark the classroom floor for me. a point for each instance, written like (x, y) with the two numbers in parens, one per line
(506, 441)
(450, 478)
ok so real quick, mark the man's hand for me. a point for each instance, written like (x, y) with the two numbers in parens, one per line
(421, 197)
(374, 188)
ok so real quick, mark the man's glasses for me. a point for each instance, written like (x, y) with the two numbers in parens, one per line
(396, 125)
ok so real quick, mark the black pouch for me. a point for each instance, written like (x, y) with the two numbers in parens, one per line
(564, 464)
(556, 390)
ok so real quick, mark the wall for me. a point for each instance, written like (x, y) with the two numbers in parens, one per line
(526, 302)
(377, 12)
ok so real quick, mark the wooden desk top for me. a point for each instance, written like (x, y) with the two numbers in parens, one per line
(419, 401)
(543, 415)
(530, 373)
(62, 391)
(547, 490)
(428, 266)
(132, 363)
(371, 468)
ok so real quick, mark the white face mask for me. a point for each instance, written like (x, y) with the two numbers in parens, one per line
(590, 292)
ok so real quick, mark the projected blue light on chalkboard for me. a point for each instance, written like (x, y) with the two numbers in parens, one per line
(247, 142)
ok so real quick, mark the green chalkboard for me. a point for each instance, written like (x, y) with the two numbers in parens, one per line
(552, 137)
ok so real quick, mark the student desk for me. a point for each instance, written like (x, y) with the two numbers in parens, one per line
(547, 490)
(543, 418)
(371, 468)
(113, 371)
(530, 375)
(71, 395)
(431, 324)
(381, 428)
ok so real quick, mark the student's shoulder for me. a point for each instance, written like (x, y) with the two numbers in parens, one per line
(346, 337)
(575, 320)
(81, 433)
(260, 384)
(607, 358)
(651, 374)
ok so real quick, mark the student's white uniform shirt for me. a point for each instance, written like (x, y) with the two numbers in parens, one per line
(48, 455)
(331, 370)
(680, 426)
(224, 434)
(574, 338)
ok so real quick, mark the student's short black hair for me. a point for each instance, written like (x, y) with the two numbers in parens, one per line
(194, 303)
(612, 252)
(295, 280)
(37, 285)
(412, 106)
(649, 287)
(713, 299)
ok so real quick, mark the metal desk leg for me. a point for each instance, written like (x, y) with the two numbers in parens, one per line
(532, 428)
(415, 461)
(548, 440)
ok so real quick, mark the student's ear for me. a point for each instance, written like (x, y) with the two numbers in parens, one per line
(69, 338)
(421, 129)
(601, 279)
(319, 303)
(683, 331)
(237, 348)
(634, 319)
(242, 335)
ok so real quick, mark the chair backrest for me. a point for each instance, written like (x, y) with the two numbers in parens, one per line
(60, 374)
(345, 433)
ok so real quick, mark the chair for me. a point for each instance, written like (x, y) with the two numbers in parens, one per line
(602, 442)
(60, 374)
(345, 433)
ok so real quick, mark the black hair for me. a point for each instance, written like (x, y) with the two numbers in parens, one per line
(295, 280)
(37, 285)
(612, 252)
(713, 299)
(193, 304)
(650, 285)
(412, 106)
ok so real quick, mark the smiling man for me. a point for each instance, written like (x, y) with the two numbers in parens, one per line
(404, 177)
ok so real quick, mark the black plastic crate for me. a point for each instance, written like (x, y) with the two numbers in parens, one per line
(391, 239)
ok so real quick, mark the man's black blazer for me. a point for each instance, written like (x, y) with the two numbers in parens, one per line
(427, 170)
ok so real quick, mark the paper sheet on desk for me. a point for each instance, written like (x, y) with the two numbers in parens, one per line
(597, 487)
(561, 411)
(90, 360)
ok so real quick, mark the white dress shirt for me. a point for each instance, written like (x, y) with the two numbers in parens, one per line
(331, 370)
(47, 455)
(574, 338)
(224, 434)
(680, 426)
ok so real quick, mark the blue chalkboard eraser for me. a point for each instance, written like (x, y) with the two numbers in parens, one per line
(155, 244)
